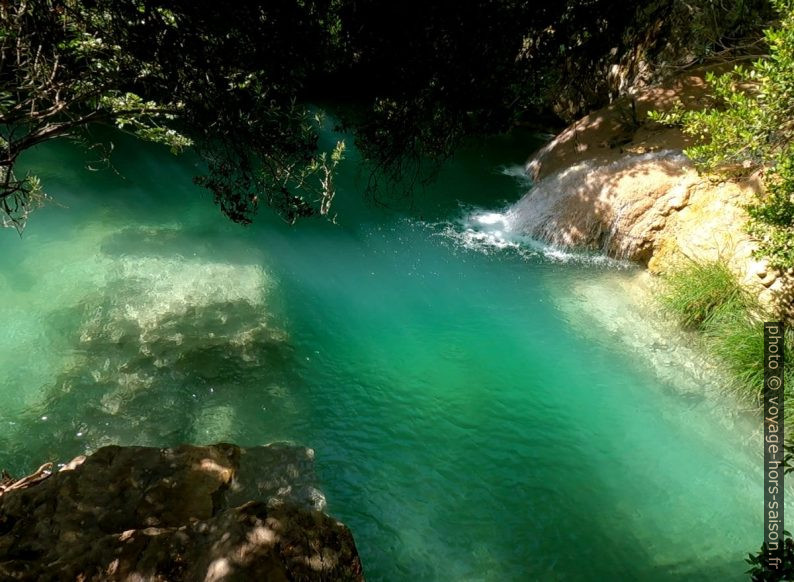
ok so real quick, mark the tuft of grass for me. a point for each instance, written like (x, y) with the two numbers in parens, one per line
(738, 341)
(708, 297)
(696, 293)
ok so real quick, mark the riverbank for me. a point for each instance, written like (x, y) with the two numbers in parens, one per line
(618, 182)
(623, 305)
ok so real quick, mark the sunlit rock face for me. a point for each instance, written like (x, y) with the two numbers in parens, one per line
(616, 183)
(618, 207)
(189, 513)
(654, 209)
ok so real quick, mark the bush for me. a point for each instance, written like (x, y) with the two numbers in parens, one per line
(751, 125)
(759, 571)
(772, 218)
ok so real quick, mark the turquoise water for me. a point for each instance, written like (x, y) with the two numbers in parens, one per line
(472, 417)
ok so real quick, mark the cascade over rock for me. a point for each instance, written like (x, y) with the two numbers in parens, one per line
(619, 207)
(616, 183)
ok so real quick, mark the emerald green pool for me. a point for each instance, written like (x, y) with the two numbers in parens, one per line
(470, 418)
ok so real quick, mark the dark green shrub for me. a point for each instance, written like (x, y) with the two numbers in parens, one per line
(751, 125)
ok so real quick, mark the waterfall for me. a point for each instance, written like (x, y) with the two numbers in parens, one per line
(613, 229)
(594, 206)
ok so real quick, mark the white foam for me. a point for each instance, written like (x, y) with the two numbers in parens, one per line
(489, 232)
(519, 173)
(528, 227)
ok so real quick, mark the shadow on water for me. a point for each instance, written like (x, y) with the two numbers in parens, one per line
(21, 280)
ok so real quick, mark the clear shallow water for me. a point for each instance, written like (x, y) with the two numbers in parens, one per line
(471, 419)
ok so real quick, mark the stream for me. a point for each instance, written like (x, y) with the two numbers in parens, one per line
(475, 408)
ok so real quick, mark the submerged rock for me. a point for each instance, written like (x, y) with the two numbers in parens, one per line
(205, 513)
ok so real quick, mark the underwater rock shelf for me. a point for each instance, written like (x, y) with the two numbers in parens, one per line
(217, 512)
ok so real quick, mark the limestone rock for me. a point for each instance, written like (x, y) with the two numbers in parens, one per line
(619, 207)
(606, 134)
(189, 513)
(617, 183)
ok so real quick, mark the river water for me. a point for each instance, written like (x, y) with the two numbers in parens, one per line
(475, 408)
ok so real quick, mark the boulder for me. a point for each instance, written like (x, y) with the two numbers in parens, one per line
(207, 513)
(620, 207)
(616, 183)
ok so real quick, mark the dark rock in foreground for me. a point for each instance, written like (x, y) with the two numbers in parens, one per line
(190, 513)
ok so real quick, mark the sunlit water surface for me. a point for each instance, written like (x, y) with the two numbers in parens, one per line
(471, 420)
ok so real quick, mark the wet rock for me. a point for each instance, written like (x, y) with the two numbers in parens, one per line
(620, 207)
(188, 513)
(643, 201)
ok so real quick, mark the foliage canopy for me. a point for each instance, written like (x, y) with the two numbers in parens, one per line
(239, 82)
(222, 78)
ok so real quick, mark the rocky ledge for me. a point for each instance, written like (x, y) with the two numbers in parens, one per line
(616, 182)
(206, 513)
